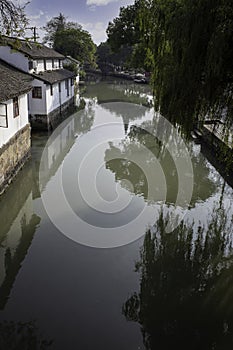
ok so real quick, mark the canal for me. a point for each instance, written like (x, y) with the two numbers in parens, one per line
(117, 234)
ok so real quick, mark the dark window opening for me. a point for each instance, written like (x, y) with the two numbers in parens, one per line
(67, 87)
(15, 107)
(51, 90)
(30, 65)
(37, 92)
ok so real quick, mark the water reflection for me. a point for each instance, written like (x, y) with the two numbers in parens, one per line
(22, 336)
(18, 226)
(120, 90)
(189, 270)
(117, 160)
(186, 277)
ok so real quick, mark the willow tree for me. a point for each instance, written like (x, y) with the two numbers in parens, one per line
(190, 51)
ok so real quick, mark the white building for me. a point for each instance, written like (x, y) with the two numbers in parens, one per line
(70, 61)
(14, 124)
(53, 86)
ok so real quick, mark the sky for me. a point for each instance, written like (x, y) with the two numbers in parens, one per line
(93, 15)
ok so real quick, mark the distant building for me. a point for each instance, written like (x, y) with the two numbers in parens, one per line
(75, 64)
(53, 86)
(14, 124)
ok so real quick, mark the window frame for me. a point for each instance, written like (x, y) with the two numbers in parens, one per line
(67, 87)
(15, 107)
(35, 92)
(6, 116)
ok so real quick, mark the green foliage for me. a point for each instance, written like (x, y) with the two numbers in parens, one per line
(71, 67)
(70, 39)
(82, 74)
(56, 24)
(124, 34)
(107, 59)
(13, 20)
(189, 47)
(76, 43)
(124, 29)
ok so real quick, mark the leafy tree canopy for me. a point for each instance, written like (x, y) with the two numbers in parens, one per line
(124, 34)
(70, 39)
(188, 47)
(76, 43)
(125, 28)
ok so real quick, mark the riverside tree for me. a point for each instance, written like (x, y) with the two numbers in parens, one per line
(69, 38)
(188, 47)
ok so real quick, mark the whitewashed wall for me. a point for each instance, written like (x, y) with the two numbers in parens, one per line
(37, 105)
(17, 123)
(14, 58)
(55, 100)
(39, 66)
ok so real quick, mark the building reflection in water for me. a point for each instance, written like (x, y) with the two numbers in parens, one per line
(18, 226)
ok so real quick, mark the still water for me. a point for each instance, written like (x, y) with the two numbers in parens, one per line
(117, 234)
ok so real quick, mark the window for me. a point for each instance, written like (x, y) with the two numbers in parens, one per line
(60, 63)
(51, 90)
(37, 92)
(59, 87)
(72, 81)
(15, 107)
(53, 63)
(3, 116)
(30, 65)
(44, 64)
(67, 87)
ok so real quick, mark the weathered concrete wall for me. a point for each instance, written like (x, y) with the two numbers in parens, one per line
(13, 155)
(50, 121)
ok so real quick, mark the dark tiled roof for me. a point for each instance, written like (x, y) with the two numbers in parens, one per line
(31, 49)
(13, 82)
(54, 76)
(69, 58)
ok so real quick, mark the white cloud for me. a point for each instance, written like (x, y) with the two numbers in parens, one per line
(38, 16)
(99, 2)
(97, 31)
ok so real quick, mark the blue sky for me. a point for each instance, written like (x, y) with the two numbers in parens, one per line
(93, 15)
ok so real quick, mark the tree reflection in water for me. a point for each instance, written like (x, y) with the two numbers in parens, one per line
(143, 145)
(186, 286)
(22, 336)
